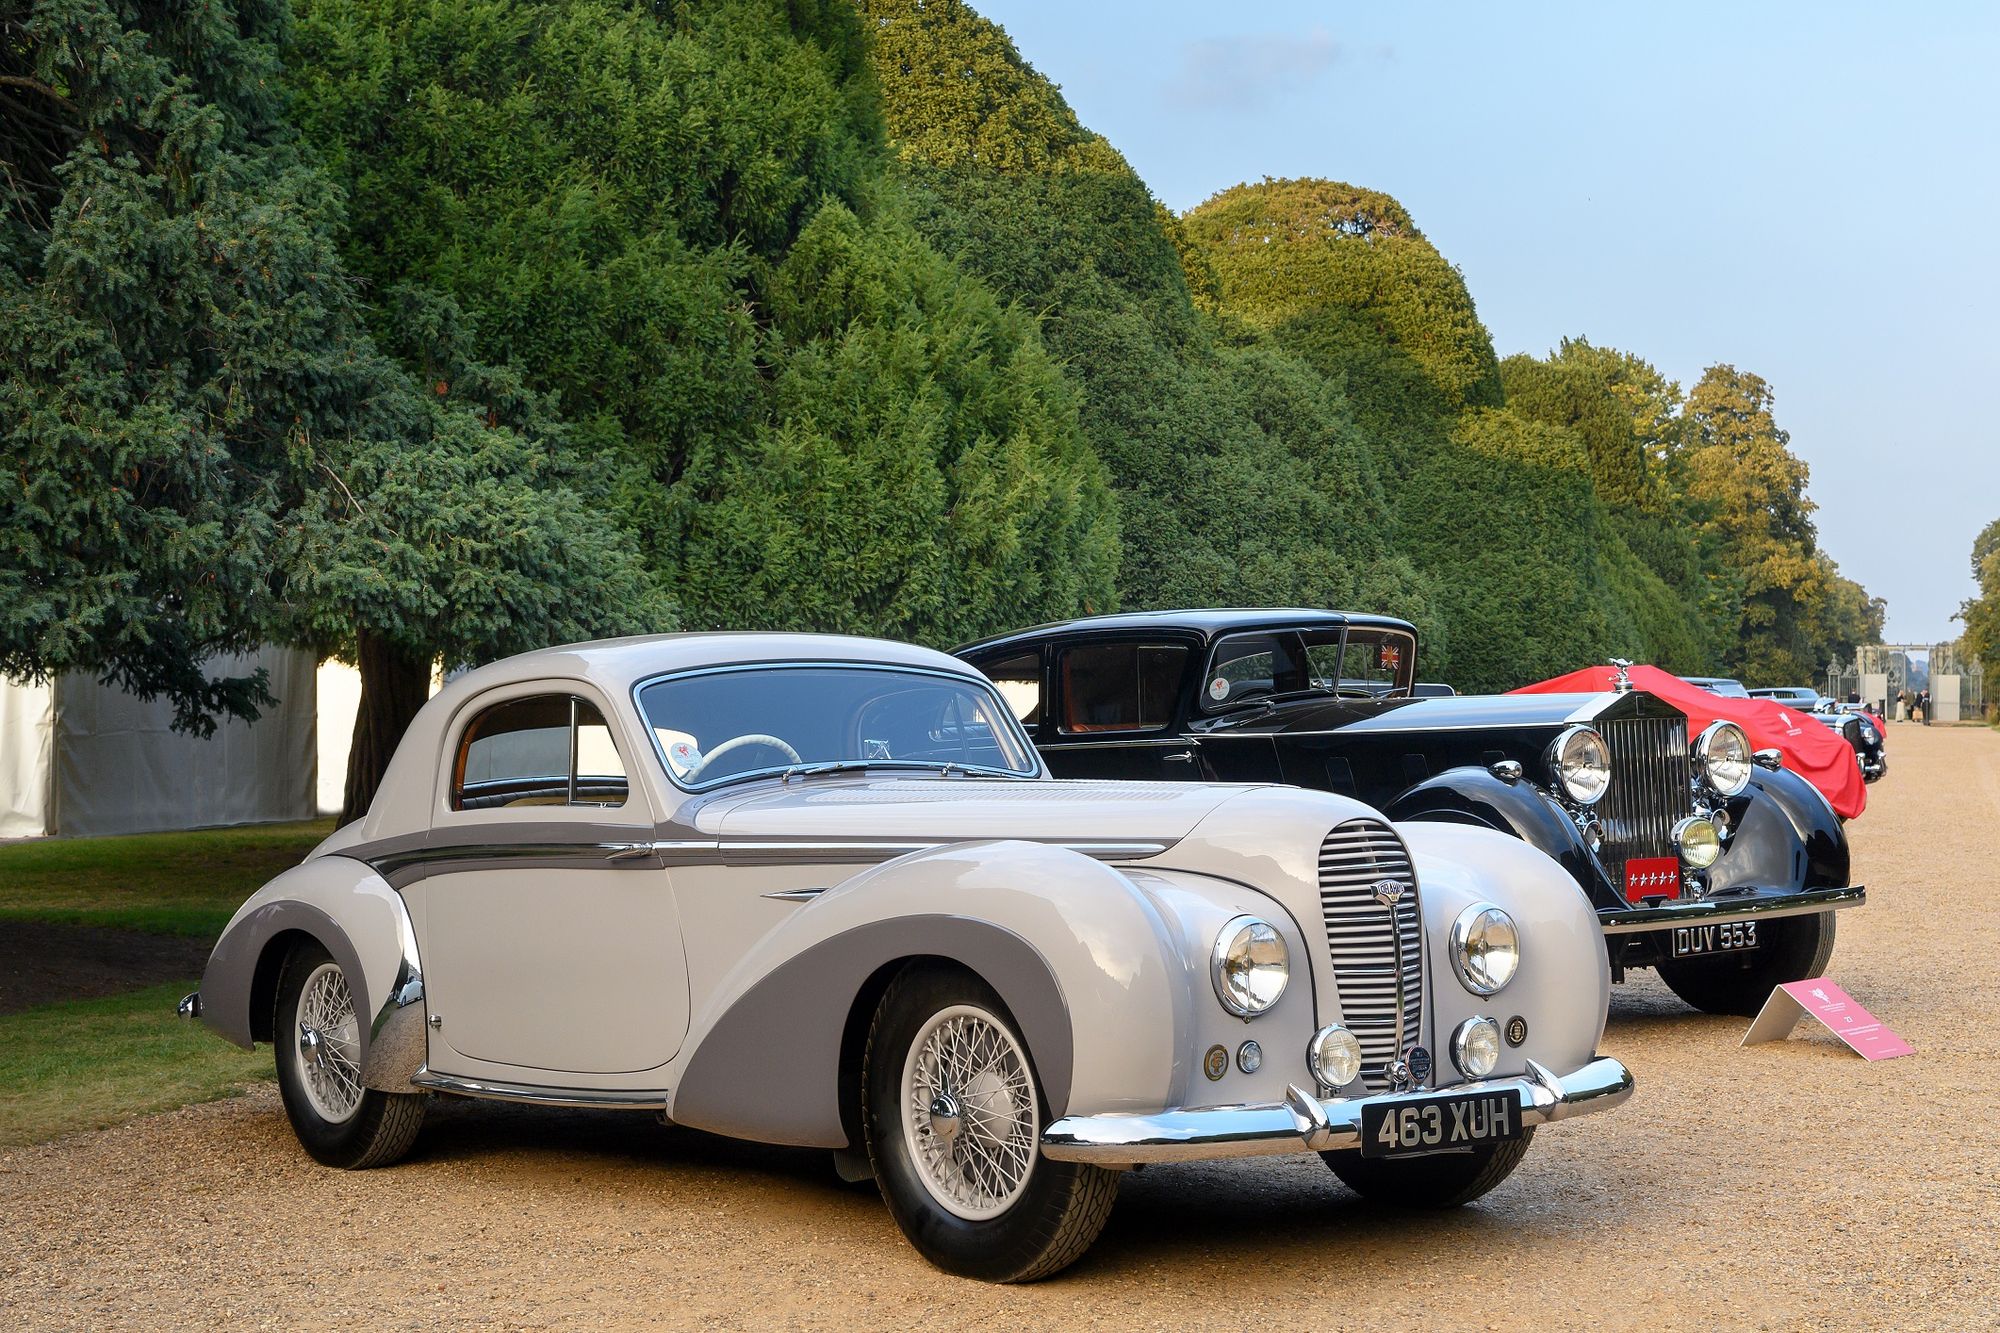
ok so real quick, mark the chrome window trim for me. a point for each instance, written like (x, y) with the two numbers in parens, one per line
(971, 678)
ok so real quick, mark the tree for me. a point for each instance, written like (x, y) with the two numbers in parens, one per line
(1751, 490)
(1982, 613)
(205, 449)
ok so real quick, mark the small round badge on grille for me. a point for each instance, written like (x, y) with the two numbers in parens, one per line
(1216, 1063)
(1516, 1030)
(1420, 1064)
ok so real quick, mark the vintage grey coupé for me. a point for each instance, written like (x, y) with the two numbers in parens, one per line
(820, 891)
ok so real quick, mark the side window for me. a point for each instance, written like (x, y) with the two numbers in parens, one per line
(1120, 686)
(1019, 680)
(547, 749)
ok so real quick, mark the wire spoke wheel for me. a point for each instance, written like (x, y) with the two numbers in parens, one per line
(970, 1112)
(327, 1045)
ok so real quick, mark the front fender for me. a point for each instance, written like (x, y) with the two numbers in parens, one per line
(1562, 989)
(362, 922)
(1084, 962)
(1784, 835)
(1476, 796)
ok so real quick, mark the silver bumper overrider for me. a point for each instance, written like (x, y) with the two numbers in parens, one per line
(1755, 905)
(1304, 1123)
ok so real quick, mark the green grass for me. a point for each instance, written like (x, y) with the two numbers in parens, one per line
(91, 1063)
(167, 883)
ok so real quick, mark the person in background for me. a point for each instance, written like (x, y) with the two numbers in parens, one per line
(1924, 705)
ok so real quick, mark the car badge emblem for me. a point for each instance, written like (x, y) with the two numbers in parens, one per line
(1517, 1030)
(1388, 892)
(1420, 1064)
(1216, 1063)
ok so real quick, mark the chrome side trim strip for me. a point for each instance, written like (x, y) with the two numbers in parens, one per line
(634, 855)
(1720, 911)
(613, 1099)
(795, 895)
(1302, 1123)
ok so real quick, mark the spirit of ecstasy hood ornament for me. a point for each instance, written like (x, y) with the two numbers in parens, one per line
(1624, 682)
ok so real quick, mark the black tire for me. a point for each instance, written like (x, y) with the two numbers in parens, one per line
(1793, 949)
(384, 1125)
(1063, 1205)
(1440, 1180)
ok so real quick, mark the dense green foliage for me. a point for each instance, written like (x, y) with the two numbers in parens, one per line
(680, 223)
(1982, 614)
(206, 448)
(422, 329)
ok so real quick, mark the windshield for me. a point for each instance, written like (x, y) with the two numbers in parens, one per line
(717, 726)
(1354, 661)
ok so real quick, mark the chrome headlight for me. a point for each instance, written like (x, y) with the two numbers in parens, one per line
(1699, 841)
(1475, 1047)
(1581, 762)
(1335, 1056)
(1722, 754)
(1486, 948)
(1250, 966)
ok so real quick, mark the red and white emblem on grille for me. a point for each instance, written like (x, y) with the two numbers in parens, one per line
(1652, 877)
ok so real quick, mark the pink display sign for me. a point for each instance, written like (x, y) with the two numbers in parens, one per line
(1840, 1012)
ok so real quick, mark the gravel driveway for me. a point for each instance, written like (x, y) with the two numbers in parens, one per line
(1785, 1186)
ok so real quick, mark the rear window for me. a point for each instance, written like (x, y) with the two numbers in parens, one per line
(1120, 686)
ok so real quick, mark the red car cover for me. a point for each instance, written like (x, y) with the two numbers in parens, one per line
(1813, 750)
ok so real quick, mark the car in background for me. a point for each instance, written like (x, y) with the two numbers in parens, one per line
(1862, 730)
(1717, 866)
(1722, 685)
(1798, 696)
(821, 891)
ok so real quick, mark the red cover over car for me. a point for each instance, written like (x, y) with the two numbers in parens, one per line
(1814, 751)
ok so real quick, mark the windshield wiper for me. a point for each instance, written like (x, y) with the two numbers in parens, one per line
(943, 767)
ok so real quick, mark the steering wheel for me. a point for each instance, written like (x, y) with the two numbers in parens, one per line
(737, 743)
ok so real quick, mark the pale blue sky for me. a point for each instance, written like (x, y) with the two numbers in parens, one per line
(1807, 191)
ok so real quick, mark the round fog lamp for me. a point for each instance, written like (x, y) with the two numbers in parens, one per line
(1698, 842)
(1335, 1056)
(1475, 1047)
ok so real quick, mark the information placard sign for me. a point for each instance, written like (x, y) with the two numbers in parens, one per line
(1840, 1012)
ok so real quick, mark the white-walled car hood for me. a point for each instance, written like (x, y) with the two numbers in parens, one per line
(965, 810)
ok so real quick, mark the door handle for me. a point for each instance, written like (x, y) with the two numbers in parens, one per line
(631, 852)
(1178, 757)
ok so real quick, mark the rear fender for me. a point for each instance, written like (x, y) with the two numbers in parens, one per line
(1084, 962)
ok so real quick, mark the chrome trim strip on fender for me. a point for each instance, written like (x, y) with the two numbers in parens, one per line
(795, 895)
(612, 1099)
(1721, 911)
(397, 1042)
(634, 855)
(1302, 1123)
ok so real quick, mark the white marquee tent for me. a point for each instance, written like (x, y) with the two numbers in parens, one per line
(81, 757)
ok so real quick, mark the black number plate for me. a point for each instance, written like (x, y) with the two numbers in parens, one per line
(1436, 1124)
(1733, 937)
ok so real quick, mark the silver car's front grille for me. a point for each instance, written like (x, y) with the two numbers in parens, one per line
(1649, 790)
(1357, 863)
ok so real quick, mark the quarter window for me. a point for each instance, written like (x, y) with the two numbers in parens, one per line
(1019, 680)
(1120, 686)
(547, 749)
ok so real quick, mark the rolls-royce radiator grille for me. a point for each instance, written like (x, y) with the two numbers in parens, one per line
(1649, 790)
(1374, 977)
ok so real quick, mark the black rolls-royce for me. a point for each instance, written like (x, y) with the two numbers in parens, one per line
(1705, 860)
(1862, 732)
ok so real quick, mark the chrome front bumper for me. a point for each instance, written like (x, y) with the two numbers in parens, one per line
(1303, 1123)
(1757, 905)
(190, 1005)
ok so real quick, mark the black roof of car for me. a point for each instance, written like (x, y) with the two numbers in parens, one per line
(1209, 624)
